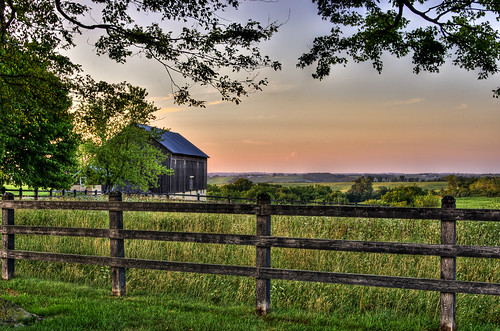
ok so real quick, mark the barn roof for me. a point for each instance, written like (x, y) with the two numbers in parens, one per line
(177, 144)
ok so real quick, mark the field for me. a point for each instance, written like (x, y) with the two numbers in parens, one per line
(160, 300)
(344, 186)
(341, 186)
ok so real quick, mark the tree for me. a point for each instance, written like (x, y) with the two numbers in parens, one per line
(188, 38)
(37, 142)
(116, 149)
(452, 185)
(461, 30)
(241, 185)
(361, 190)
(127, 160)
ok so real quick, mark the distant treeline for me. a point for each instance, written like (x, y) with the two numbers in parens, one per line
(245, 188)
(362, 191)
(472, 186)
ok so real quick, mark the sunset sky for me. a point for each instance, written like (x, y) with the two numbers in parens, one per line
(354, 121)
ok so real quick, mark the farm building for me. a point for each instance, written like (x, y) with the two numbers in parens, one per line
(188, 162)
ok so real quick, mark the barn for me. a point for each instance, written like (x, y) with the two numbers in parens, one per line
(188, 162)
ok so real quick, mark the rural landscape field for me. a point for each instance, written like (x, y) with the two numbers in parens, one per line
(250, 165)
(158, 300)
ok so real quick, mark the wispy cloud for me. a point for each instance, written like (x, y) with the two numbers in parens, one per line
(159, 99)
(403, 102)
(263, 117)
(254, 142)
(462, 106)
(213, 103)
(170, 110)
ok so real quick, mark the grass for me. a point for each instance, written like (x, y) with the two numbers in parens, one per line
(478, 203)
(65, 306)
(157, 299)
(27, 191)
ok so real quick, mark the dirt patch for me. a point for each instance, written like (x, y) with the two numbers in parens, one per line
(14, 315)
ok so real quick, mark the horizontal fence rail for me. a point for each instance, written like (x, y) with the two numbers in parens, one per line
(263, 241)
(39, 194)
(251, 240)
(254, 209)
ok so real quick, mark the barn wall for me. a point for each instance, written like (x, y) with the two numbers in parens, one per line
(190, 174)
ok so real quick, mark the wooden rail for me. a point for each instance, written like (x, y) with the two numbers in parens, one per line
(263, 241)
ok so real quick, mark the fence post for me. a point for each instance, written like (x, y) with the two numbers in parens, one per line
(36, 193)
(117, 247)
(20, 193)
(448, 267)
(263, 259)
(50, 192)
(74, 192)
(8, 265)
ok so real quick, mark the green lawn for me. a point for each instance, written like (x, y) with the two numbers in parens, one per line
(65, 306)
(478, 202)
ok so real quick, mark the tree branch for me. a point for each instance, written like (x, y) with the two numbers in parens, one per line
(419, 13)
(106, 27)
(5, 26)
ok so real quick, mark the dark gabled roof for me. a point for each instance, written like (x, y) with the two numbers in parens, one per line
(177, 144)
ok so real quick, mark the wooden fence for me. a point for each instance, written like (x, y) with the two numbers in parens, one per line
(35, 194)
(263, 241)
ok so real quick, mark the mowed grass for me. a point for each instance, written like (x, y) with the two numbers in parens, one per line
(158, 300)
(478, 202)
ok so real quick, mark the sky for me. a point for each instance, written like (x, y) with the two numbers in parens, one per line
(354, 121)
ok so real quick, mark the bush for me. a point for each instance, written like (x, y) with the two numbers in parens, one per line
(410, 196)
(427, 201)
(336, 197)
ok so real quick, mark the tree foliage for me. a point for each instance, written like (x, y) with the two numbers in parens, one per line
(188, 38)
(245, 188)
(37, 142)
(116, 150)
(127, 160)
(361, 190)
(472, 186)
(410, 196)
(429, 31)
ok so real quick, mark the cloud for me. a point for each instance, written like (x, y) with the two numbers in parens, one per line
(263, 117)
(158, 99)
(213, 103)
(462, 106)
(170, 110)
(403, 102)
(254, 142)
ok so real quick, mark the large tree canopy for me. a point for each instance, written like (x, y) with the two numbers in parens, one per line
(116, 151)
(188, 38)
(37, 142)
(431, 31)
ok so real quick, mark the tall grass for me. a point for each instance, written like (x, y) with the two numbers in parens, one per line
(472, 310)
